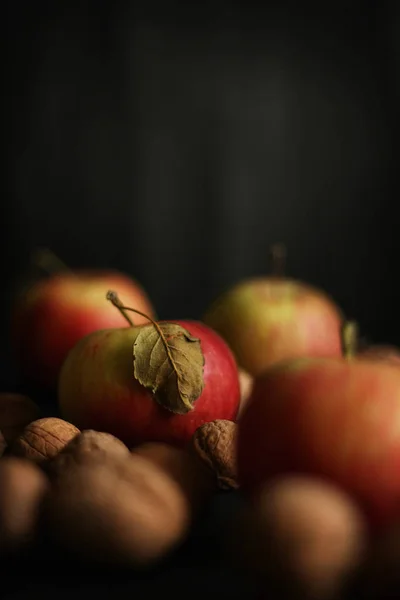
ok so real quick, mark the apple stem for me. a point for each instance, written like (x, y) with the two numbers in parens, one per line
(45, 259)
(113, 298)
(349, 339)
(278, 255)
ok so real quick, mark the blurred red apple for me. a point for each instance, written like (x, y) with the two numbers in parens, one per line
(383, 353)
(268, 319)
(56, 312)
(331, 417)
(361, 347)
(142, 386)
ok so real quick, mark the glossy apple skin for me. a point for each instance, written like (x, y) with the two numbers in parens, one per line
(97, 389)
(327, 417)
(57, 312)
(266, 320)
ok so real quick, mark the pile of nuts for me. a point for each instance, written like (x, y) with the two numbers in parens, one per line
(97, 498)
(108, 504)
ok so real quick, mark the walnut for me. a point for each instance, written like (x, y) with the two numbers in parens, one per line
(300, 536)
(124, 511)
(16, 412)
(215, 445)
(87, 447)
(128, 510)
(43, 439)
(22, 489)
(3, 444)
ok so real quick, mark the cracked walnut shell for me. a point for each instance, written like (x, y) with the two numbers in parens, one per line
(215, 445)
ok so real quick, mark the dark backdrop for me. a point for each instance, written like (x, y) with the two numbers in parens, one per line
(177, 143)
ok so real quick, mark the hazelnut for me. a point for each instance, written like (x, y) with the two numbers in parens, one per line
(22, 489)
(16, 412)
(215, 445)
(43, 439)
(86, 447)
(125, 511)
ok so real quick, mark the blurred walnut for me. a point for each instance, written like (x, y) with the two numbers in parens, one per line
(87, 447)
(3, 444)
(300, 536)
(16, 412)
(43, 439)
(215, 444)
(22, 489)
(126, 511)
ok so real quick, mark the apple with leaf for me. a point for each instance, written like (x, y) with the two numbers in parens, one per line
(153, 382)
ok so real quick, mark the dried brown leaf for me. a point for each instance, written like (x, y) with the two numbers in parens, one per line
(169, 362)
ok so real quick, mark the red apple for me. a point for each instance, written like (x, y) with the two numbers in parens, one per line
(384, 353)
(268, 319)
(58, 311)
(335, 418)
(100, 387)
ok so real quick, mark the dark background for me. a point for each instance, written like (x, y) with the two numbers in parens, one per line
(178, 142)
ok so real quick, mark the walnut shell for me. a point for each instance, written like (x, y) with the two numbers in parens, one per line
(125, 511)
(215, 445)
(16, 412)
(87, 447)
(43, 439)
(22, 489)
